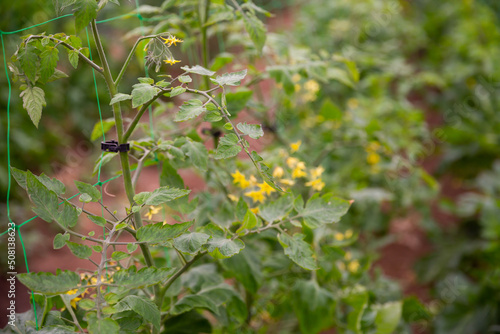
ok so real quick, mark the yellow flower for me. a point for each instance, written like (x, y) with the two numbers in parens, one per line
(348, 234)
(316, 172)
(255, 210)
(352, 103)
(256, 196)
(348, 256)
(373, 146)
(312, 86)
(264, 187)
(152, 211)
(353, 266)
(171, 40)
(317, 184)
(240, 178)
(233, 198)
(72, 292)
(252, 180)
(291, 162)
(296, 77)
(373, 158)
(278, 172)
(338, 236)
(171, 61)
(287, 182)
(295, 146)
(298, 172)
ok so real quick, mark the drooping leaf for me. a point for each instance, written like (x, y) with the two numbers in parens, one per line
(298, 250)
(313, 305)
(85, 11)
(256, 30)
(33, 102)
(197, 69)
(230, 79)
(49, 58)
(197, 153)
(189, 110)
(120, 97)
(388, 317)
(73, 56)
(191, 243)
(160, 195)
(49, 283)
(222, 248)
(132, 279)
(326, 209)
(28, 59)
(358, 300)
(79, 250)
(143, 93)
(252, 130)
(142, 306)
(228, 147)
(89, 189)
(159, 233)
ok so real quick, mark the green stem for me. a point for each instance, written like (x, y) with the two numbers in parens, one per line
(203, 18)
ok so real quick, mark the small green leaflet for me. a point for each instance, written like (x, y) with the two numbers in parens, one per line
(197, 69)
(88, 189)
(79, 250)
(274, 211)
(28, 59)
(33, 102)
(298, 250)
(160, 196)
(228, 147)
(388, 317)
(358, 300)
(159, 233)
(49, 283)
(142, 306)
(222, 248)
(143, 93)
(132, 279)
(185, 79)
(191, 243)
(98, 326)
(230, 79)
(60, 240)
(100, 129)
(177, 91)
(252, 130)
(249, 222)
(49, 58)
(85, 11)
(120, 97)
(323, 210)
(45, 201)
(73, 56)
(256, 30)
(189, 110)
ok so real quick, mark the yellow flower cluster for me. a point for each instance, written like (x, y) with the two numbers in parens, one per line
(372, 156)
(172, 40)
(352, 265)
(257, 195)
(153, 210)
(311, 88)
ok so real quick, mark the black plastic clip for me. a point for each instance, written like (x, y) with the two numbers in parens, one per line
(112, 146)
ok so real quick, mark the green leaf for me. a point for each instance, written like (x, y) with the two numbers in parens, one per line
(197, 153)
(88, 189)
(298, 250)
(73, 56)
(252, 130)
(118, 255)
(85, 11)
(33, 102)
(52, 184)
(276, 210)
(85, 198)
(146, 80)
(323, 210)
(189, 110)
(143, 93)
(197, 69)
(79, 250)
(68, 216)
(228, 147)
(177, 91)
(330, 111)
(249, 222)
(60, 240)
(160, 195)
(142, 306)
(120, 97)
(358, 300)
(185, 79)
(246, 268)
(208, 298)
(29, 59)
(131, 248)
(190, 243)
(170, 177)
(188, 323)
(49, 283)
(57, 75)
(388, 317)
(86, 304)
(313, 306)
(100, 129)
(228, 126)
(222, 248)
(230, 79)
(49, 58)
(238, 100)
(256, 30)
(104, 325)
(19, 176)
(45, 201)
(159, 233)
(212, 114)
(132, 279)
